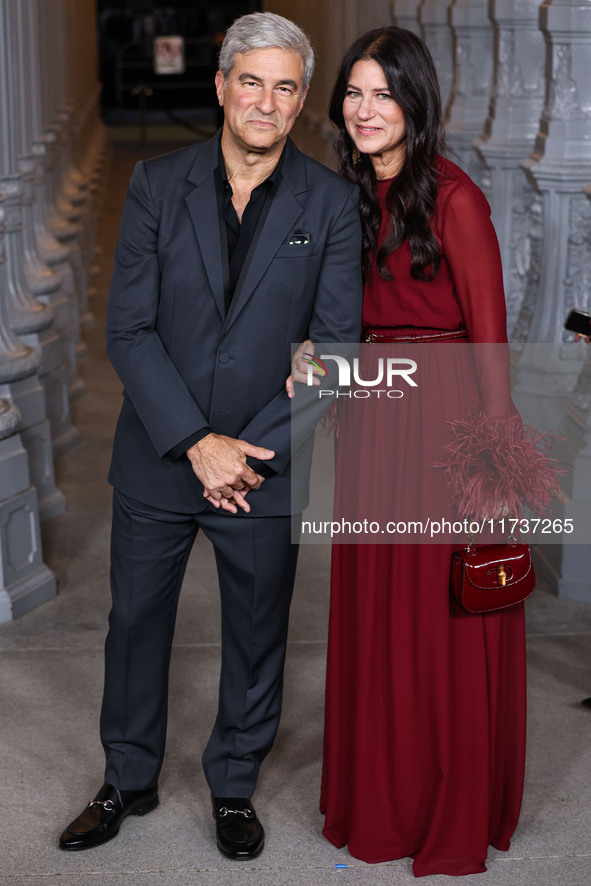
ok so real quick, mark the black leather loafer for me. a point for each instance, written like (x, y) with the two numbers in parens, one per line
(239, 834)
(102, 818)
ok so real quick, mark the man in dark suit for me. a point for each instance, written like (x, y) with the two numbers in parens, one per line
(228, 252)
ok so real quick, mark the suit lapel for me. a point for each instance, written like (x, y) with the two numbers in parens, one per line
(203, 209)
(283, 214)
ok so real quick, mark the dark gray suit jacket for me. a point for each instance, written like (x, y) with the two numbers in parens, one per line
(183, 364)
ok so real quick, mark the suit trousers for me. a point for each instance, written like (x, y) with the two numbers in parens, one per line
(256, 564)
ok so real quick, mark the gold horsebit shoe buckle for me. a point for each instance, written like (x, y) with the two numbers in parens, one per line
(247, 813)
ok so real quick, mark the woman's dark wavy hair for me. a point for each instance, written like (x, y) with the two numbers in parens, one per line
(412, 82)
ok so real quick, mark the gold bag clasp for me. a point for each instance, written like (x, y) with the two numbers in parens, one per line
(501, 575)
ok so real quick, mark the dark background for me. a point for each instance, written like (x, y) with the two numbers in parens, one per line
(125, 33)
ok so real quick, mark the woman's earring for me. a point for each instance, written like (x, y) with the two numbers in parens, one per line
(355, 156)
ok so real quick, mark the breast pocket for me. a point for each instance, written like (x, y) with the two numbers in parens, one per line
(298, 245)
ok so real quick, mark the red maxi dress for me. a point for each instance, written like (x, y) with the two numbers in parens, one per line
(424, 746)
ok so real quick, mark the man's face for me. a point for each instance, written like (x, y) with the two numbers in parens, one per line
(262, 98)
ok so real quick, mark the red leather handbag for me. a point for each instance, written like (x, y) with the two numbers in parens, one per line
(492, 577)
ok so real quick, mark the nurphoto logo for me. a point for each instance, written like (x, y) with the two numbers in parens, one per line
(390, 371)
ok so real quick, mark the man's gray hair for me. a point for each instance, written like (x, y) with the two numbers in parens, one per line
(265, 30)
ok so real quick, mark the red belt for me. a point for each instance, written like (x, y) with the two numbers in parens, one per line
(387, 334)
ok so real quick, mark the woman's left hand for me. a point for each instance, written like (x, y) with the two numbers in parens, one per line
(300, 365)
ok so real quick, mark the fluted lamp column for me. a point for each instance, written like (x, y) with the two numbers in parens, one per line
(73, 198)
(474, 65)
(405, 14)
(576, 560)
(434, 18)
(25, 582)
(46, 284)
(62, 218)
(88, 143)
(59, 256)
(509, 135)
(29, 318)
(74, 183)
(560, 166)
(575, 566)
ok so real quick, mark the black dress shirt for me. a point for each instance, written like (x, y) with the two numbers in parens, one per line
(241, 237)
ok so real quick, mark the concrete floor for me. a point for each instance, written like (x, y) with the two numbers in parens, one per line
(51, 681)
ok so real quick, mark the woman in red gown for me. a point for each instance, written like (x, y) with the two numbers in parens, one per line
(424, 743)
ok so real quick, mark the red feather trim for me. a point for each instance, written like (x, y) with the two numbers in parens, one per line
(500, 462)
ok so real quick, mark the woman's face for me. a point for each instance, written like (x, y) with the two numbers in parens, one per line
(373, 119)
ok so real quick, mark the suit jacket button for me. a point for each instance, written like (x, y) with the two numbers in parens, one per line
(224, 358)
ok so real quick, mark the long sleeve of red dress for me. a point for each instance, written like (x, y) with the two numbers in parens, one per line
(474, 260)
